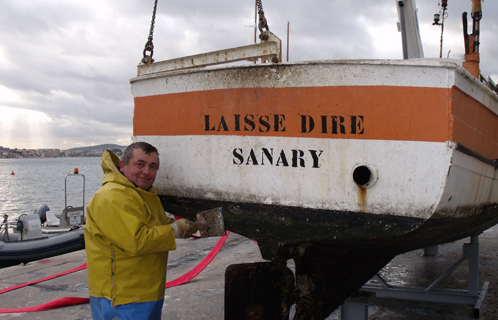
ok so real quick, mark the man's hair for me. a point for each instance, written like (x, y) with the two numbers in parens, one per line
(144, 146)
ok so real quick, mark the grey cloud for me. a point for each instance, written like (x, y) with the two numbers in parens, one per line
(73, 60)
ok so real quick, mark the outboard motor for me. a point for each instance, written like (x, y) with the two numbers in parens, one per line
(42, 212)
(29, 227)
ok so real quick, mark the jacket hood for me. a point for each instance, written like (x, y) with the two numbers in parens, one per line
(110, 165)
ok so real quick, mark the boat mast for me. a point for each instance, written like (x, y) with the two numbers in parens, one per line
(444, 4)
(408, 26)
(288, 23)
(255, 19)
(471, 63)
(476, 17)
(437, 16)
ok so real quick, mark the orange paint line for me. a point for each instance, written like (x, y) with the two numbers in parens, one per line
(476, 127)
(368, 112)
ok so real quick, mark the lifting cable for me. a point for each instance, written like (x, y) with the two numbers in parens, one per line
(70, 301)
(149, 46)
(263, 23)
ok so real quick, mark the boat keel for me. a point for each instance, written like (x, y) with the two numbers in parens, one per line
(326, 276)
(256, 291)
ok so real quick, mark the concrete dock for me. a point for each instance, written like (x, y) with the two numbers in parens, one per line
(203, 297)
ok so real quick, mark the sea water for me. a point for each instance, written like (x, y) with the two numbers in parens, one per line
(28, 183)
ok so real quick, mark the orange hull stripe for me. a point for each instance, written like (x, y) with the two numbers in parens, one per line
(369, 112)
(380, 113)
(475, 126)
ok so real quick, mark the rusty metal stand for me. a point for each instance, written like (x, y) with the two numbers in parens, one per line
(472, 296)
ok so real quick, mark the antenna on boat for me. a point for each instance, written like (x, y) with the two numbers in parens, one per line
(255, 25)
(149, 46)
(437, 16)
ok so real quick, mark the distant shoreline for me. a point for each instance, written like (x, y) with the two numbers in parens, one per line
(80, 156)
(91, 151)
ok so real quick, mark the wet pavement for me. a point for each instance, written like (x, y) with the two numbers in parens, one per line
(203, 297)
(411, 269)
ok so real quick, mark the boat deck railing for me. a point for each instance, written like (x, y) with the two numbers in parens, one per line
(489, 83)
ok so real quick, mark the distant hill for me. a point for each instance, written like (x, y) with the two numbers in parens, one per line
(100, 147)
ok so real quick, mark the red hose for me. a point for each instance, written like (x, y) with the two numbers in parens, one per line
(71, 301)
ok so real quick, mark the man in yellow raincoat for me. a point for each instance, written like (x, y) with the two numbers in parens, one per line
(128, 236)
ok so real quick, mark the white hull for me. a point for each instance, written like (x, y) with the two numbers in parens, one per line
(417, 172)
(413, 188)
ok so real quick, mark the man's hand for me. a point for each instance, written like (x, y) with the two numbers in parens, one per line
(184, 229)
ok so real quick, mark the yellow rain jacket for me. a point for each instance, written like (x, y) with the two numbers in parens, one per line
(127, 239)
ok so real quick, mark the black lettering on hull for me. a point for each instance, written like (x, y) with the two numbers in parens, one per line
(294, 158)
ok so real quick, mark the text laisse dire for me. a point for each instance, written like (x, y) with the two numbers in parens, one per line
(274, 123)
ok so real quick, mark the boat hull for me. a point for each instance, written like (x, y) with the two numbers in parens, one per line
(327, 161)
(295, 136)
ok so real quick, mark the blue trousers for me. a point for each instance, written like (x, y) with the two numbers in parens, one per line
(103, 310)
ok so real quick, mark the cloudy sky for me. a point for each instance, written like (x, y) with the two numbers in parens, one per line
(65, 65)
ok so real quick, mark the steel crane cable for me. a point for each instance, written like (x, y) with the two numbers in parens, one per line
(263, 23)
(149, 46)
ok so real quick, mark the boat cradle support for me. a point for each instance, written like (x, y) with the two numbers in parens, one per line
(318, 286)
(471, 296)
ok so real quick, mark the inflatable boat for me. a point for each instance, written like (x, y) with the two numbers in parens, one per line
(40, 235)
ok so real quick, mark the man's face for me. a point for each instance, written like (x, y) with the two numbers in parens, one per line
(141, 169)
